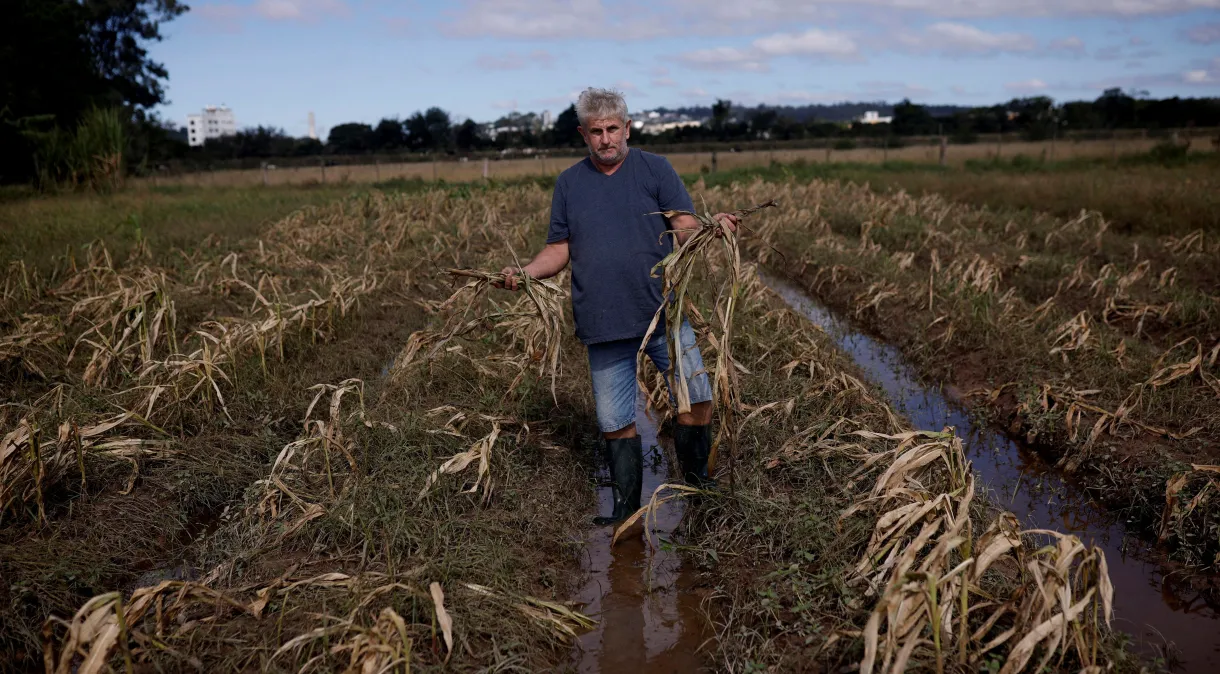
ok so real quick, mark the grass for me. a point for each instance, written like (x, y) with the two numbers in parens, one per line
(1139, 194)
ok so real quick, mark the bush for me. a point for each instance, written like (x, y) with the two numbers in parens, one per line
(1169, 152)
(844, 144)
(91, 157)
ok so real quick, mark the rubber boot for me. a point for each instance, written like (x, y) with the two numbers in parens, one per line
(626, 459)
(693, 444)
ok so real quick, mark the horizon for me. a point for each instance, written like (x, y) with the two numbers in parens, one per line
(274, 61)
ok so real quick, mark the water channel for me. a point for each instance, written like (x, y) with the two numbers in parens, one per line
(1159, 611)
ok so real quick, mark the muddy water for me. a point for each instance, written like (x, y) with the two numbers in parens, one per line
(1160, 614)
(645, 602)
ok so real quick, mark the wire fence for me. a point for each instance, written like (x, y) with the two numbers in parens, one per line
(935, 151)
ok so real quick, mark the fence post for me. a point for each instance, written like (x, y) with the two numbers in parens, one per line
(828, 152)
(434, 169)
(486, 168)
(713, 161)
(264, 174)
(944, 146)
(377, 168)
(885, 150)
(999, 144)
(322, 164)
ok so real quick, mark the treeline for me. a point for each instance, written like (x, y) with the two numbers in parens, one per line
(433, 132)
(1035, 118)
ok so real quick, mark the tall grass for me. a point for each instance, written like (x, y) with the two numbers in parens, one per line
(89, 157)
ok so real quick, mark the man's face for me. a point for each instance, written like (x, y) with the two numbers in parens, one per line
(607, 139)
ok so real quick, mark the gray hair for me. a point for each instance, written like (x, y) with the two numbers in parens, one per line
(600, 104)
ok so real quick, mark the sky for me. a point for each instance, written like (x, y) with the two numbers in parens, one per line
(275, 61)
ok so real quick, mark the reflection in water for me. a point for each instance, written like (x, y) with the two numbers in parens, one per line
(645, 603)
(1146, 601)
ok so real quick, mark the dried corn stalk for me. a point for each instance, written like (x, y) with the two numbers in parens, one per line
(929, 573)
(677, 270)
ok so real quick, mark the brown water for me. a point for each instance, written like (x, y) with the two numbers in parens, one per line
(1159, 611)
(646, 603)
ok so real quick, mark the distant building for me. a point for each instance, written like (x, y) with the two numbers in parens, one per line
(653, 121)
(547, 122)
(215, 122)
(872, 117)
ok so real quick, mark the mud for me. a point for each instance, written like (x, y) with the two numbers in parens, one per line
(646, 602)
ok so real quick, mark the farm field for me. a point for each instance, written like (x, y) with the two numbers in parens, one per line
(282, 438)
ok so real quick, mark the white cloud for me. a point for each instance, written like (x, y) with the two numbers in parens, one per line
(786, 11)
(548, 20)
(515, 61)
(893, 89)
(299, 10)
(813, 42)
(725, 58)
(1026, 86)
(1073, 45)
(658, 71)
(663, 82)
(1196, 76)
(694, 92)
(230, 16)
(756, 58)
(1204, 33)
(626, 87)
(510, 104)
(960, 38)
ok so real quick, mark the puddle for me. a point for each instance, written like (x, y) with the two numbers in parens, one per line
(645, 602)
(1150, 605)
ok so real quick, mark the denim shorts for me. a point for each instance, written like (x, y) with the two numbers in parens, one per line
(612, 365)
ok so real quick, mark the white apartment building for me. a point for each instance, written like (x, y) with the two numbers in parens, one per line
(216, 121)
(873, 117)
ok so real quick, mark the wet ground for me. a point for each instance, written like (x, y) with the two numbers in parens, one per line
(646, 604)
(1159, 611)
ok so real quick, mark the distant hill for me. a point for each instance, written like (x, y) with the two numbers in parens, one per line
(834, 112)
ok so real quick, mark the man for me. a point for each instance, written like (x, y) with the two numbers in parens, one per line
(601, 223)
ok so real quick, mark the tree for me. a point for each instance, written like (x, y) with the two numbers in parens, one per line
(762, 122)
(720, 116)
(565, 132)
(439, 128)
(389, 135)
(65, 57)
(350, 138)
(467, 136)
(1117, 110)
(911, 119)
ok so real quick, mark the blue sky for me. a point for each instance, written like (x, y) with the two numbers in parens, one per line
(274, 61)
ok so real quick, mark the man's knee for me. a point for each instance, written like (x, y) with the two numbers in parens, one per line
(625, 432)
(700, 414)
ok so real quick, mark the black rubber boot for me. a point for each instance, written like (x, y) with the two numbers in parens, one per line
(693, 444)
(626, 459)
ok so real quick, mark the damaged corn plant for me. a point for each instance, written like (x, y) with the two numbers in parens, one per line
(677, 271)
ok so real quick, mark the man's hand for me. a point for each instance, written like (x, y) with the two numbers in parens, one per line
(510, 278)
(729, 220)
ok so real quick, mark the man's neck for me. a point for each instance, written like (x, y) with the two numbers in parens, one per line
(609, 169)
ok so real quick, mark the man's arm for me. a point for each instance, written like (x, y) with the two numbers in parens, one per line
(549, 261)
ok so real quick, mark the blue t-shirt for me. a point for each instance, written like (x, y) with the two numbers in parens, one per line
(613, 243)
